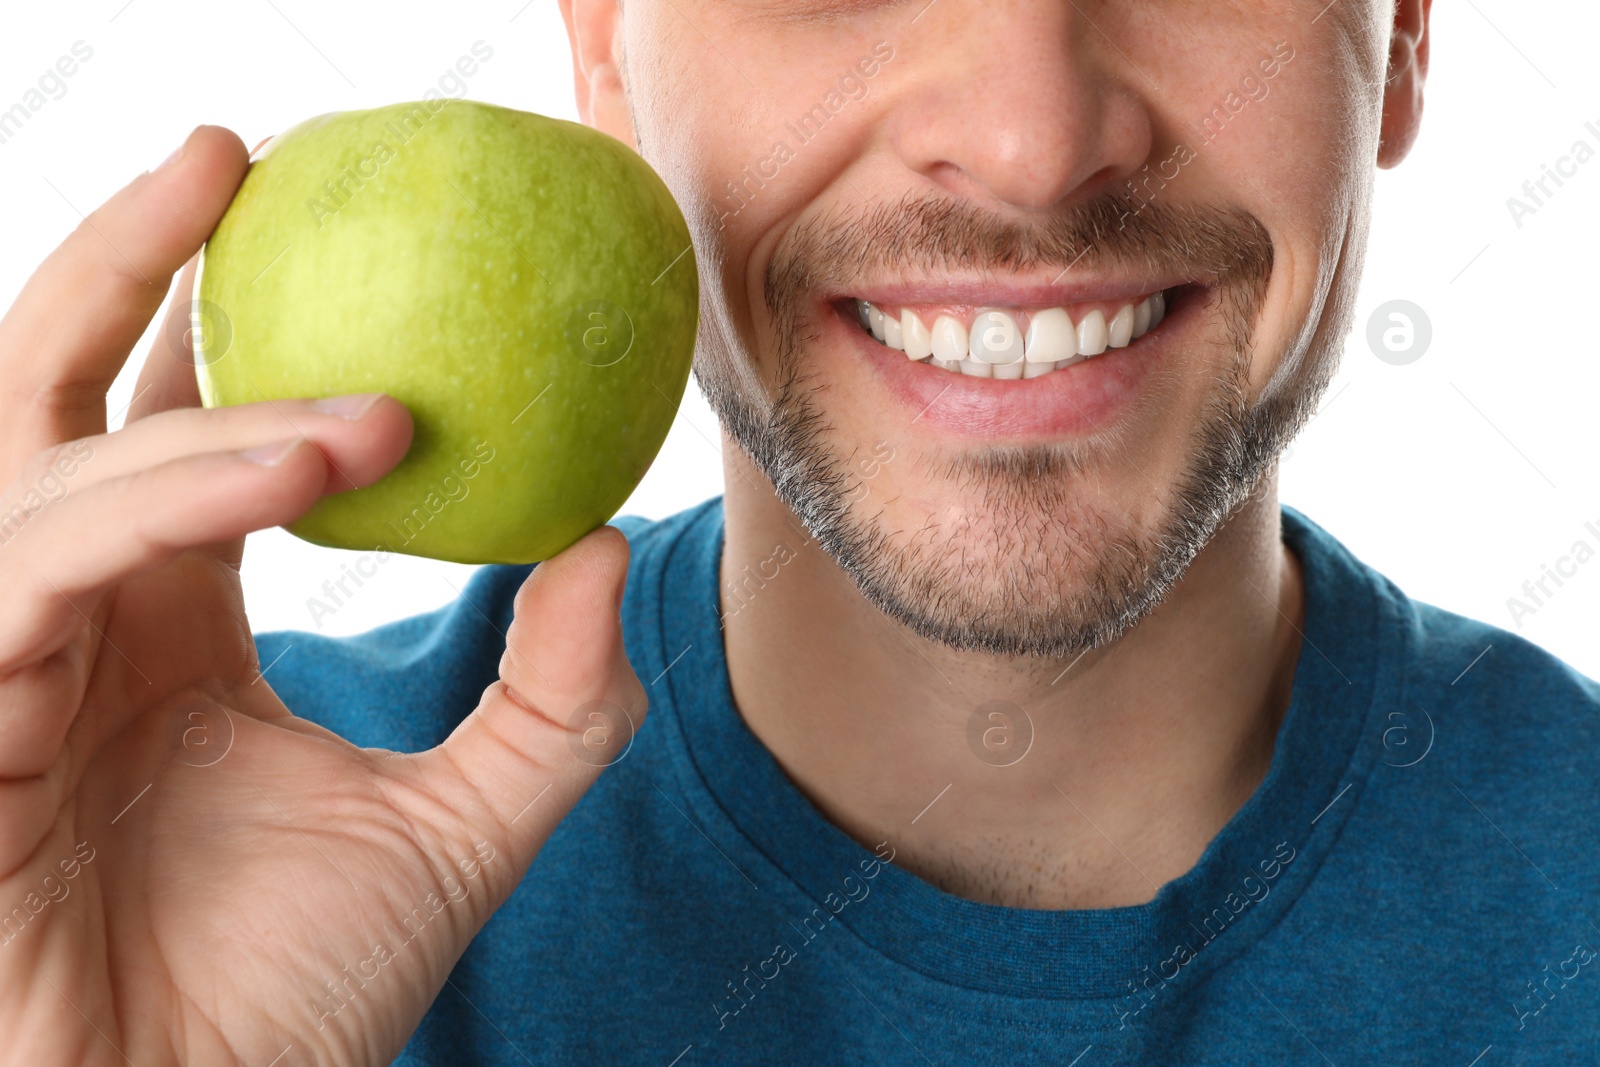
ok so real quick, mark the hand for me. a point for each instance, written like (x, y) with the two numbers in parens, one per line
(161, 902)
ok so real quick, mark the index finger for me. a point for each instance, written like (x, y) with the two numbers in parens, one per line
(76, 320)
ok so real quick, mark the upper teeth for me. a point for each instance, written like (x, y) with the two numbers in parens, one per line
(993, 346)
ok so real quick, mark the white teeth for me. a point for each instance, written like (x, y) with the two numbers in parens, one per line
(891, 333)
(918, 341)
(1050, 337)
(994, 347)
(1092, 334)
(995, 339)
(1120, 330)
(949, 338)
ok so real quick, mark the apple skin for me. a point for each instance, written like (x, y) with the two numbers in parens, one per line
(525, 286)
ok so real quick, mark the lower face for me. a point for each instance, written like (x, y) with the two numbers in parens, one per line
(1014, 429)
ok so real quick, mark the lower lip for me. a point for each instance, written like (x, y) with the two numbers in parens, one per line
(1071, 402)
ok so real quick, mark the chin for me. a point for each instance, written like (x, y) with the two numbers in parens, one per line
(1019, 461)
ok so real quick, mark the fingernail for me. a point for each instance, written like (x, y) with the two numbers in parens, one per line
(352, 406)
(270, 455)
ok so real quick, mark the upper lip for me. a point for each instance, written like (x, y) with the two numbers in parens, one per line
(1012, 292)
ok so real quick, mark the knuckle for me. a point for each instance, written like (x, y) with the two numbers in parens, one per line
(68, 395)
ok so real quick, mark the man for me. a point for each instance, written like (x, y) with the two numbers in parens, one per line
(998, 713)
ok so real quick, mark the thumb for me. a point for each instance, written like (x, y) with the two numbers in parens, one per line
(566, 706)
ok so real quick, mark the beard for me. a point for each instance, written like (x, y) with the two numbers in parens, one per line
(1030, 564)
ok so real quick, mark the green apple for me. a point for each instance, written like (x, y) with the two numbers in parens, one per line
(526, 286)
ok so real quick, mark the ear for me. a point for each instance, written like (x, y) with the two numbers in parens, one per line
(594, 31)
(1408, 69)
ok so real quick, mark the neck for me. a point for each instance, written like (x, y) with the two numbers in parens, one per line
(1082, 783)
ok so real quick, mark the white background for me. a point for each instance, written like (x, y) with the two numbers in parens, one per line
(1459, 475)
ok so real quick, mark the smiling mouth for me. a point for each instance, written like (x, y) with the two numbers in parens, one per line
(1011, 343)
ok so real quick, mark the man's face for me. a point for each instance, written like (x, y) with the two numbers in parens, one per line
(1025, 157)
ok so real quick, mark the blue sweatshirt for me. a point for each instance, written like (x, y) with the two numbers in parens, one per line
(1416, 881)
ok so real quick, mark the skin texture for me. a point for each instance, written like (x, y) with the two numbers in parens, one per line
(208, 899)
(1130, 596)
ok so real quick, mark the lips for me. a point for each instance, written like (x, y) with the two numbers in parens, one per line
(1010, 343)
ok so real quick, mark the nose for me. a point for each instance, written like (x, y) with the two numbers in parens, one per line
(1024, 102)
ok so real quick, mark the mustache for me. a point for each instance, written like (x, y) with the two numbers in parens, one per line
(921, 233)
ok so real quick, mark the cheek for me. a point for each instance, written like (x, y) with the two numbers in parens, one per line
(748, 126)
(1298, 152)
(1313, 200)
(1320, 200)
